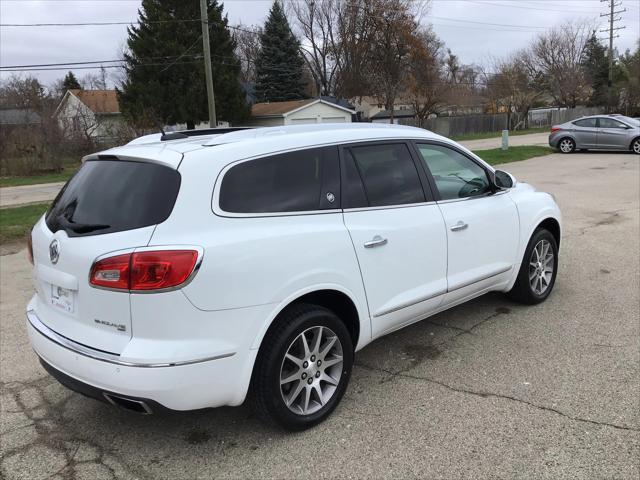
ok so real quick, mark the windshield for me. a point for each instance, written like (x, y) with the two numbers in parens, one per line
(108, 196)
(631, 121)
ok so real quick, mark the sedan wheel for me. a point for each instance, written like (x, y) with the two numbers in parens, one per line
(636, 146)
(567, 145)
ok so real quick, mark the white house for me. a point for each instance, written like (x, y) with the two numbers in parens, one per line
(297, 112)
(90, 115)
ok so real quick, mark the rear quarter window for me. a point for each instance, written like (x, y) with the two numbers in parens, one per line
(107, 196)
(304, 180)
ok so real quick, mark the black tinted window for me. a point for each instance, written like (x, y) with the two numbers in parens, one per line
(304, 180)
(586, 122)
(112, 195)
(388, 173)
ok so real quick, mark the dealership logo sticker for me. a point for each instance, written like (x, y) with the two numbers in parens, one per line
(54, 251)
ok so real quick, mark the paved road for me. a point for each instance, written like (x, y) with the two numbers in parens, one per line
(12, 196)
(514, 140)
(488, 389)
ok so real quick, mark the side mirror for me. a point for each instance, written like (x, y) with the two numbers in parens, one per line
(503, 180)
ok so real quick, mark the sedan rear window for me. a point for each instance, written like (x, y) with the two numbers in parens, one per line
(107, 196)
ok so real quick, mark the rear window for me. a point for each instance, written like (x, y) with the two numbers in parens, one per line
(107, 196)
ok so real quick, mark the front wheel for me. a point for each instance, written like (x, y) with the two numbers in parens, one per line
(567, 145)
(537, 274)
(303, 367)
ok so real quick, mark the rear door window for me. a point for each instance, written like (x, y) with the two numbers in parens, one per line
(107, 196)
(304, 180)
(586, 122)
(388, 173)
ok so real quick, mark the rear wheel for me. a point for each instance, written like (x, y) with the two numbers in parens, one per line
(303, 367)
(537, 274)
(635, 146)
(567, 145)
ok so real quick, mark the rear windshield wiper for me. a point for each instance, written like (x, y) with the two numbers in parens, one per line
(81, 227)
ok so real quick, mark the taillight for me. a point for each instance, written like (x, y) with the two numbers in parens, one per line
(161, 269)
(555, 129)
(147, 270)
(112, 272)
(30, 247)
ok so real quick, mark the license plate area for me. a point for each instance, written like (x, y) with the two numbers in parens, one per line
(62, 298)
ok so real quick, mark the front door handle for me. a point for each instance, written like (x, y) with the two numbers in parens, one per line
(459, 226)
(376, 241)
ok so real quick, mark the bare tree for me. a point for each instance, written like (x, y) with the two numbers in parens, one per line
(426, 87)
(317, 21)
(512, 87)
(555, 57)
(247, 40)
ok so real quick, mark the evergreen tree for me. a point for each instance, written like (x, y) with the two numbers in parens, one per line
(165, 79)
(279, 66)
(595, 62)
(70, 82)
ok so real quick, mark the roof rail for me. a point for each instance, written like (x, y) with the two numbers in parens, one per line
(202, 131)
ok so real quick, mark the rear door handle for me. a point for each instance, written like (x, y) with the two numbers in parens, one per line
(376, 241)
(459, 226)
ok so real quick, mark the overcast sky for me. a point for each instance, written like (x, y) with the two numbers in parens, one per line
(453, 21)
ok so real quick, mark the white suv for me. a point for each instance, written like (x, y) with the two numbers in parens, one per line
(190, 271)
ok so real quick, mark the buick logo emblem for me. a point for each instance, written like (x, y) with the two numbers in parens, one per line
(54, 251)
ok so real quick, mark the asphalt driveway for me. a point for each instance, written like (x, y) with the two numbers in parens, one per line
(488, 389)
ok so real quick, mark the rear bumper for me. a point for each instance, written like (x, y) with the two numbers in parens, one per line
(187, 386)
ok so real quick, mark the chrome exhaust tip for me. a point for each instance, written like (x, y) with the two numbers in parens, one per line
(137, 406)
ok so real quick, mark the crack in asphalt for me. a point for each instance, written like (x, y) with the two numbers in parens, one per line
(403, 374)
(464, 331)
(54, 433)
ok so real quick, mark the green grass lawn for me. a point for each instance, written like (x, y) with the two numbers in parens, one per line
(496, 156)
(63, 176)
(15, 222)
(483, 135)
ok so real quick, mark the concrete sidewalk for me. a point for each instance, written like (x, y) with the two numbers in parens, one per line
(44, 192)
(514, 141)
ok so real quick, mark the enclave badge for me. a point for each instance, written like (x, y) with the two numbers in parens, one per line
(54, 251)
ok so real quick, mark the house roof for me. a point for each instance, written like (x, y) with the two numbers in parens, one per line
(278, 108)
(396, 114)
(282, 109)
(19, 116)
(98, 101)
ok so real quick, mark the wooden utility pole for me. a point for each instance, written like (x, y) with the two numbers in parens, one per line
(204, 17)
(612, 19)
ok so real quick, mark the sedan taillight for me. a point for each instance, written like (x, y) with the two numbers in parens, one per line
(555, 129)
(144, 271)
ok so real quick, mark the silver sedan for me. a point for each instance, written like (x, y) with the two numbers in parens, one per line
(599, 132)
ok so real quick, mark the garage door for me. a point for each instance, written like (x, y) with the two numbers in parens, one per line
(301, 121)
(334, 120)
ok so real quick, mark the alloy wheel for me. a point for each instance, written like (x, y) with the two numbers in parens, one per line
(566, 145)
(311, 370)
(636, 147)
(541, 265)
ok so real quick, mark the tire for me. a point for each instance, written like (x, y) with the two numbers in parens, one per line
(567, 145)
(277, 402)
(635, 146)
(532, 290)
